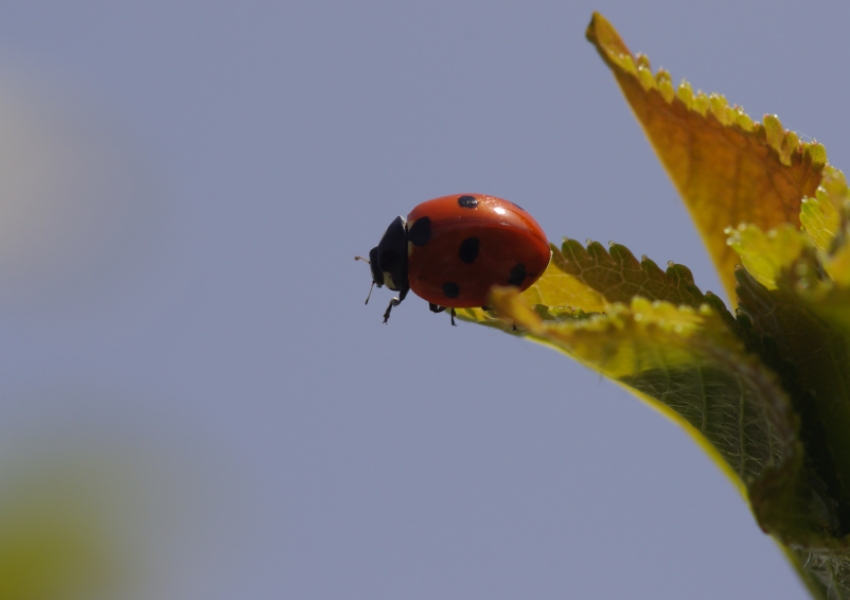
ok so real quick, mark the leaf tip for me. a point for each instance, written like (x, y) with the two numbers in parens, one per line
(609, 44)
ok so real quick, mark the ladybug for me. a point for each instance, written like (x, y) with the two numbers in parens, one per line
(451, 250)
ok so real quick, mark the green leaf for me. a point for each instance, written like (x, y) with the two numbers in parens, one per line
(618, 277)
(813, 359)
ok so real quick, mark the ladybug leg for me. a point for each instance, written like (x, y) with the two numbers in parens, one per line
(393, 302)
(436, 308)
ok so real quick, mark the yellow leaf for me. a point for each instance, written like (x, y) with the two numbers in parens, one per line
(837, 265)
(590, 280)
(557, 288)
(728, 169)
(556, 292)
(820, 215)
(765, 255)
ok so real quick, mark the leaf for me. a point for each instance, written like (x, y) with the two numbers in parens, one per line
(685, 359)
(826, 219)
(686, 363)
(810, 267)
(820, 216)
(618, 277)
(583, 281)
(732, 386)
(559, 288)
(832, 304)
(766, 255)
(808, 282)
(557, 293)
(727, 168)
(813, 360)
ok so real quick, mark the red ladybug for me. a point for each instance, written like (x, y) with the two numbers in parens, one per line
(450, 251)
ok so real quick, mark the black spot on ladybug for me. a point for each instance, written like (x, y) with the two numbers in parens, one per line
(517, 206)
(420, 232)
(451, 290)
(517, 275)
(469, 250)
(467, 201)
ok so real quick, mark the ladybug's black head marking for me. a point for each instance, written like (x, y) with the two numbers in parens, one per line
(420, 232)
(388, 261)
(377, 274)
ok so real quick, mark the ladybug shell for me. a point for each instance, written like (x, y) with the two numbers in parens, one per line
(460, 246)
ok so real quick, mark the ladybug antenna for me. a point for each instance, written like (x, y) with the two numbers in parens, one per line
(371, 287)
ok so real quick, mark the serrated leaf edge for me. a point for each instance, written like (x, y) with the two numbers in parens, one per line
(785, 142)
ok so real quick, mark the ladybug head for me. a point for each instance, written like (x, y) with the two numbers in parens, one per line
(388, 261)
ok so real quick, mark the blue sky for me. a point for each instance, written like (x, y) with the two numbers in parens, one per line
(187, 184)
